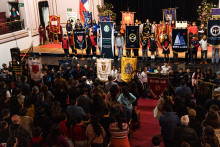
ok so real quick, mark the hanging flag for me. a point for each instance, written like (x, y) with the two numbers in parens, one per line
(83, 6)
(35, 69)
(107, 39)
(132, 37)
(104, 17)
(127, 19)
(169, 15)
(157, 83)
(80, 39)
(103, 69)
(214, 32)
(88, 19)
(215, 12)
(179, 40)
(72, 17)
(128, 65)
(54, 24)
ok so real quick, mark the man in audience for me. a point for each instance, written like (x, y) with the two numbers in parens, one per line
(84, 101)
(109, 84)
(183, 91)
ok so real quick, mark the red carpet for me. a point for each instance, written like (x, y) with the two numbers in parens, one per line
(149, 125)
(55, 45)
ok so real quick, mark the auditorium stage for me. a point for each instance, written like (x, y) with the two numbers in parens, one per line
(56, 50)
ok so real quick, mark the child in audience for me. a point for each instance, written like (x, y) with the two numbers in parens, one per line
(203, 45)
(65, 45)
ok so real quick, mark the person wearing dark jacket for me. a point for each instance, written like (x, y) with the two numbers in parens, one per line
(168, 122)
(85, 71)
(73, 90)
(185, 134)
(78, 25)
(84, 101)
(88, 51)
(77, 73)
(183, 91)
(69, 28)
(194, 43)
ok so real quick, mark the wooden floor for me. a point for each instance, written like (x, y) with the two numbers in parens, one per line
(57, 49)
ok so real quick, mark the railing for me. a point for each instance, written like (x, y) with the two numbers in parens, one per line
(11, 26)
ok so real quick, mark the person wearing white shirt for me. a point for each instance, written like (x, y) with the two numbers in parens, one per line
(114, 72)
(144, 82)
(166, 68)
(153, 27)
(203, 44)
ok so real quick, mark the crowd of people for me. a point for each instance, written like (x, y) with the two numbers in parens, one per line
(71, 107)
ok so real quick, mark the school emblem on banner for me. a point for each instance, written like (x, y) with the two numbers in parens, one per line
(128, 65)
(169, 15)
(157, 83)
(132, 37)
(107, 39)
(179, 40)
(214, 32)
(88, 19)
(79, 39)
(35, 69)
(104, 17)
(54, 24)
(103, 69)
(72, 17)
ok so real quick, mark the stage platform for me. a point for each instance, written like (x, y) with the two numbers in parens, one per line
(56, 50)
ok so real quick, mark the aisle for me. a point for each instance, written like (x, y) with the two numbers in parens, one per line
(149, 125)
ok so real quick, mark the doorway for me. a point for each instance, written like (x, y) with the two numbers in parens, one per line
(44, 13)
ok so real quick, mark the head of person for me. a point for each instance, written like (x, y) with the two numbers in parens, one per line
(126, 92)
(185, 144)
(156, 141)
(165, 37)
(209, 131)
(78, 21)
(154, 22)
(78, 65)
(87, 36)
(214, 108)
(147, 21)
(64, 36)
(136, 20)
(35, 90)
(16, 119)
(180, 70)
(13, 9)
(118, 34)
(166, 64)
(152, 35)
(94, 22)
(182, 82)
(198, 70)
(188, 70)
(84, 79)
(139, 22)
(114, 67)
(37, 132)
(194, 37)
(95, 121)
(85, 66)
(118, 119)
(110, 79)
(68, 21)
(185, 120)
(202, 25)
(192, 113)
(204, 37)
(194, 23)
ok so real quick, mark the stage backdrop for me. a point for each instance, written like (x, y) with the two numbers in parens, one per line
(35, 69)
(107, 39)
(179, 40)
(127, 19)
(156, 84)
(80, 39)
(128, 65)
(214, 32)
(72, 16)
(103, 68)
(54, 24)
(132, 37)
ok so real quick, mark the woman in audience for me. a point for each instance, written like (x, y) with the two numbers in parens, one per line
(126, 99)
(95, 133)
(119, 133)
(208, 76)
(210, 137)
(202, 94)
(195, 77)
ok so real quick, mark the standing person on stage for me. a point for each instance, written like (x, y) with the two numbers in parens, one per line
(60, 35)
(152, 47)
(49, 33)
(153, 27)
(144, 48)
(215, 54)
(119, 43)
(140, 27)
(93, 44)
(201, 31)
(78, 25)
(95, 27)
(147, 28)
(194, 44)
(203, 44)
(69, 28)
(65, 45)
(42, 34)
(194, 29)
(166, 48)
(88, 51)
(71, 40)
(187, 54)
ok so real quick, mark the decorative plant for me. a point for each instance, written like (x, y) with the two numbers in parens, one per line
(204, 11)
(106, 9)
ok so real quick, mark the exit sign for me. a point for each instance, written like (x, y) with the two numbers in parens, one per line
(21, 5)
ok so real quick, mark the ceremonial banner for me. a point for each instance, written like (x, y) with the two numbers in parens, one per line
(54, 24)
(88, 19)
(214, 32)
(215, 13)
(160, 32)
(80, 39)
(107, 39)
(105, 17)
(128, 65)
(132, 37)
(127, 18)
(169, 15)
(35, 69)
(156, 84)
(146, 30)
(103, 69)
(72, 17)
(179, 40)
(83, 6)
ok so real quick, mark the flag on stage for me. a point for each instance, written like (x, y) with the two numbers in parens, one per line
(127, 18)
(128, 65)
(54, 24)
(132, 37)
(88, 19)
(83, 6)
(179, 40)
(103, 69)
(169, 15)
(107, 39)
(72, 17)
(214, 32)
(104, 17)
(80, 39)
(157, 83)
(35, 69)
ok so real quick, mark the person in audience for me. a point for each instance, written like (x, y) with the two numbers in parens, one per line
(183, 91)
(84, 101)
(185, 133)
(4, 132)
(37, 139)
(194, 122)
(156, 141)
(210, 137)
(114, 72)
(202, 94)
(26, 121)
(109, 84)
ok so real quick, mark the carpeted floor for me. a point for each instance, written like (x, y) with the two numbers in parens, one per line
(149, 126)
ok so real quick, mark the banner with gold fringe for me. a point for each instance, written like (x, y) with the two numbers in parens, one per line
(54, 24)
(128, 65)
(103, 68)
(35, 69)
